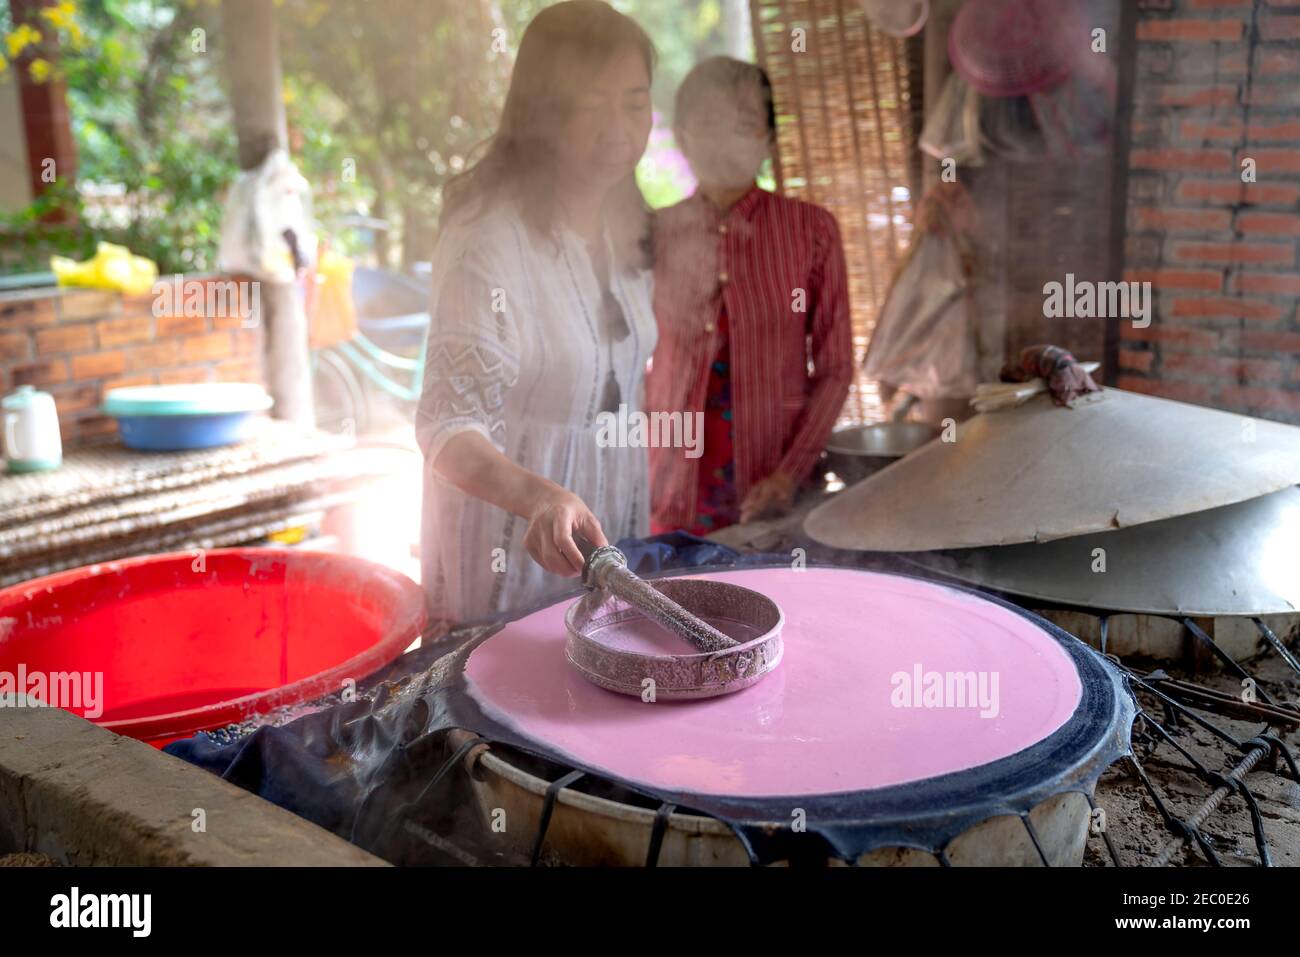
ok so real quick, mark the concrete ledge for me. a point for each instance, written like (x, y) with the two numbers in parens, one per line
(86, 796)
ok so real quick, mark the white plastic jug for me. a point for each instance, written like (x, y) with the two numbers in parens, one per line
(31, 431)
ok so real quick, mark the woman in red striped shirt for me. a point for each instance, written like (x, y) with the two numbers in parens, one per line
(753, 313)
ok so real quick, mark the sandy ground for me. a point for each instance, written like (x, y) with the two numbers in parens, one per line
(27, 859)
(1134, 824)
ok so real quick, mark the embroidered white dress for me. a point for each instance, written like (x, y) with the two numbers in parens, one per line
(519, 352)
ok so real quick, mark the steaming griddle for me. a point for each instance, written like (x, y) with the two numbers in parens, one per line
(845, 712)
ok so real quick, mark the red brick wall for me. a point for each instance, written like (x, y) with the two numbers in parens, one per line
(77, 343)
(1217, 81)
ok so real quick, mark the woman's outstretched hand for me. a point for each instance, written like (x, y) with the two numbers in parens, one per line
(475, 466)
(555, 517)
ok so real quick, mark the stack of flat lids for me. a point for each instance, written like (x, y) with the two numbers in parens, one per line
(1192, 507)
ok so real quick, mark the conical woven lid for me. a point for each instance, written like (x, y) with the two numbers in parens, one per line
(1041, 472)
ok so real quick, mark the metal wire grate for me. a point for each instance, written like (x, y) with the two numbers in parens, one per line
(1265, 744)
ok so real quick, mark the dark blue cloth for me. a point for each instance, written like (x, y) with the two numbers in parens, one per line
(658, 553)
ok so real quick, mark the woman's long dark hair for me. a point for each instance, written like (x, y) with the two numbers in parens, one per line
(562, 49)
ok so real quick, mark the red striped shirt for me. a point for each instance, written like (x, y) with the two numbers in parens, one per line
(777, 265)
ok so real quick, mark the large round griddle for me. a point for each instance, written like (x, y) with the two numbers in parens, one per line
(824, 738)
(1039, 472)
(1240, 559)
(827, 719)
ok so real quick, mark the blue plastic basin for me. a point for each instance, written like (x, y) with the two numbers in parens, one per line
(168, 433)
(175, 417)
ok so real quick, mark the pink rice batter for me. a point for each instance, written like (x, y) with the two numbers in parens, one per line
(832, 717)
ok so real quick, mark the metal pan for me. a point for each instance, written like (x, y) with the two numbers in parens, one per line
(856, 452)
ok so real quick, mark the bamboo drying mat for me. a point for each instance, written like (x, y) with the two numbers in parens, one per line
(134, 504)
(248, 525)
(108, 474)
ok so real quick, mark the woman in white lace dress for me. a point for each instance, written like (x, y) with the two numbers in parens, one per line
(541, 320)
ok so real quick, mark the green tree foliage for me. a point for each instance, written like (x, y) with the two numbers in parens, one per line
(155, 147)
(418, 88)
(385, 101)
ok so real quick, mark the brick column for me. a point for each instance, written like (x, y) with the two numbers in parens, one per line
(44, 107)
(1218, 83)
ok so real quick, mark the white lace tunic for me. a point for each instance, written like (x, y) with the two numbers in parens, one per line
(518, 351)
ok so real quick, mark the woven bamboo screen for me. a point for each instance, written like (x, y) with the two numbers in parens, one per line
(845, 142)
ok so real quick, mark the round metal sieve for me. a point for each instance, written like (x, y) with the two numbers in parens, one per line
(599, 623)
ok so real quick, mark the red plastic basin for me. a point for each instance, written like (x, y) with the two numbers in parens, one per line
(193, 641)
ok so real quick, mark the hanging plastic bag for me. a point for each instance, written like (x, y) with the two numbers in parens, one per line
(1009, 130)
(925, 337)
(266, 232)
(330, 308)
(1076, 115)
(952, 130)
